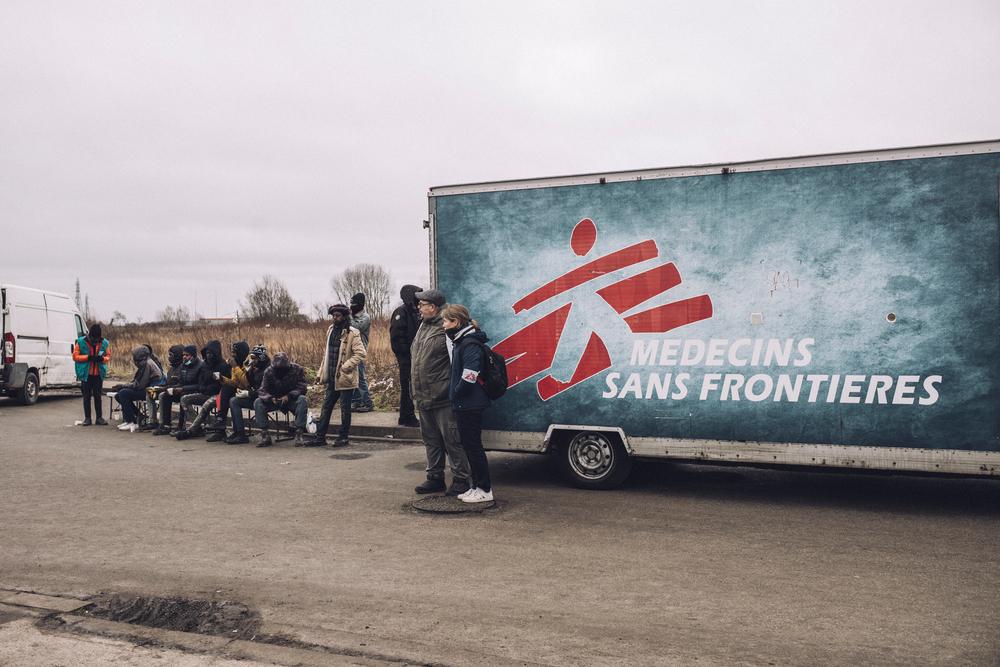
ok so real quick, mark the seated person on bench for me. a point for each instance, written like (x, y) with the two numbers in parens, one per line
(256, 364)
(146, 373)
(282, 388)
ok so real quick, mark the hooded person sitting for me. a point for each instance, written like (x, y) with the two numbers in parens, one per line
(175, 359)
(191, 377)
(206, 396)
(147, 373)
(236, 381)
(283, 387)
(254, 368)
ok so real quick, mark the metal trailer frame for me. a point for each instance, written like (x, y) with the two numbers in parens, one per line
(909, 459)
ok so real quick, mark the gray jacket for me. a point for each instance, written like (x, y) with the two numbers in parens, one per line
(363, 324)
(146, 371)
(430, 366)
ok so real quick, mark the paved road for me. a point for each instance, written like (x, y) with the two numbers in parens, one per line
(687, 564)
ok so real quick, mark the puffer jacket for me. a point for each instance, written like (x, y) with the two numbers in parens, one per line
(352, 353)
(147, 372)
(193, 377)
(465, 390)
(430, 369)
(292, 384)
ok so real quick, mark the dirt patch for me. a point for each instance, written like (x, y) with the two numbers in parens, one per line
(416, 466)
(208, 617)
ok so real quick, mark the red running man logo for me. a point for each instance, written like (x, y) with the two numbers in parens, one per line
(532, 349)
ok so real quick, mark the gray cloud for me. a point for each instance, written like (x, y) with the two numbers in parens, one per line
(165, 150)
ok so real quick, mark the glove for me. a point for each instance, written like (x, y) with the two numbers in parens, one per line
(242, 393)
(216, 375)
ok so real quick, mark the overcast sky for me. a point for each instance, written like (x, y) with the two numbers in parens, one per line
(174, 152)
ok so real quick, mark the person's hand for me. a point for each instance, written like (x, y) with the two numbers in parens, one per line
(94, 357)
(283, 400)
(216, 375)
(170, 391)
(242, 393)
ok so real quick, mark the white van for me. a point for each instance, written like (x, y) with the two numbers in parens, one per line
(39, 329)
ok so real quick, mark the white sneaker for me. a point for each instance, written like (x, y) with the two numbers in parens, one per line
(478, 496)
(465, 494)
(127, 426)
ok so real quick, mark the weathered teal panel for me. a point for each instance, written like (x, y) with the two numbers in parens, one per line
(821, 254)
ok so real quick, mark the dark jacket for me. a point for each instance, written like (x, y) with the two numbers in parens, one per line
(194, 377)
(214, 363)
(292, 384)
(430, 370)
(466, 392)
(403, 323)
(174, 371)
(255, 376)
(147, 372)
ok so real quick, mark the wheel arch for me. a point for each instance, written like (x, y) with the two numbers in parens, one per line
(556, 433)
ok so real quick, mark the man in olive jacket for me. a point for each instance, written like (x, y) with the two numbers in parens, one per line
(430, 379)
(342, 356)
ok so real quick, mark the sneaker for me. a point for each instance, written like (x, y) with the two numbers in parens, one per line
(362, 408)
(86, 422)
(126, 426)
(162, 430)
(299, 438)
(149, 426)
(341, 442)
(462, 496)
(182, 435)
(479, 496)
(431, 486)
(100, 422)
(196, 432)
(216, 436)
(410, 422)
(237, 439)
(458, 487)
(264, 440)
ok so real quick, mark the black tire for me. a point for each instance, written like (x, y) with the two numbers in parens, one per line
(593, 459)
(28, 394)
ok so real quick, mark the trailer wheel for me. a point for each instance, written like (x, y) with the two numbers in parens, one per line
(28, 395)
(594, 460)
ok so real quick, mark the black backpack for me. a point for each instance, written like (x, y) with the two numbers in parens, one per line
(494, 376)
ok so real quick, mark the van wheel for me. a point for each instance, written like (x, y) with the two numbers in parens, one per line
(594, 460)
(29, 392)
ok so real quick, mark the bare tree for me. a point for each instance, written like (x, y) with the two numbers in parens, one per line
(370, 279)
(269, 299)
(171, 315)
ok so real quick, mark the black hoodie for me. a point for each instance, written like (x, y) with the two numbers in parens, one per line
(214, 363)
(404, 322)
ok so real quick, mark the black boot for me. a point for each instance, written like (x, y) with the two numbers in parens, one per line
(431, 486)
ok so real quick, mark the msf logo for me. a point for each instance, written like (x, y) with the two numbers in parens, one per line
(531, 350)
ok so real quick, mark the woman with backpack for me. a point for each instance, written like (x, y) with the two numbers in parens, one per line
(467, 395)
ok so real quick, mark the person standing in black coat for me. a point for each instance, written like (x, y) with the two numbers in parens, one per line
(403, 325)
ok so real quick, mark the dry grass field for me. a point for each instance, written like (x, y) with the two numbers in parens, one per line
(304, 343)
